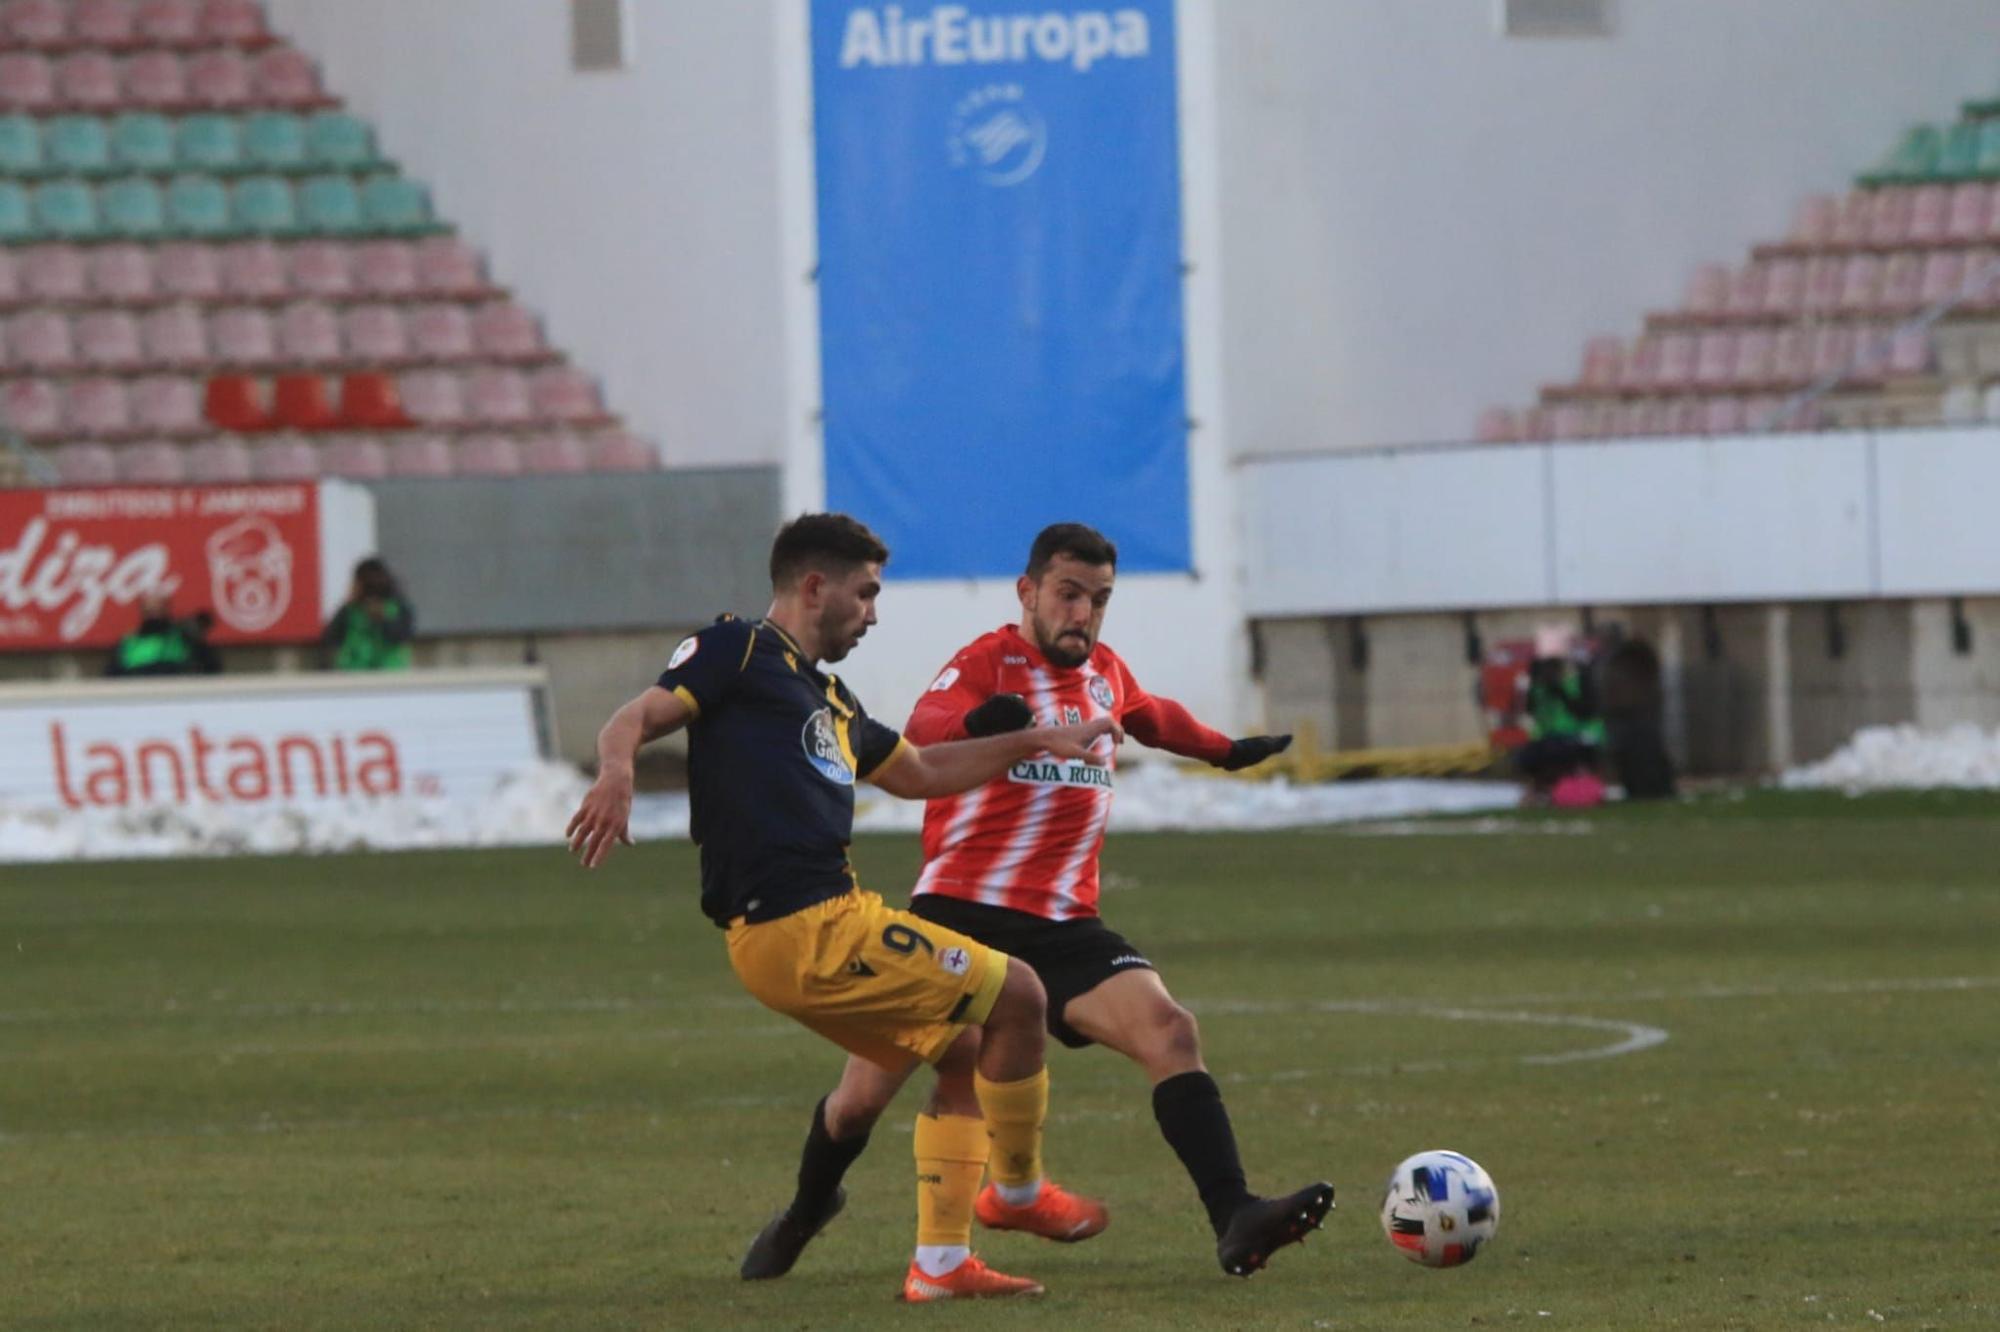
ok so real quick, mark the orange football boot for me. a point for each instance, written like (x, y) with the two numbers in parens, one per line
(970, 1280)
(1056, 1214)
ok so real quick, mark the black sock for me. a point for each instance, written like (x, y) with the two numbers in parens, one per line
(822, 1164)
(1196, 1125)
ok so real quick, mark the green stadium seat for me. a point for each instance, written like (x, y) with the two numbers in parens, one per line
(17, 219)
(66, 209)
(275, 141)
(210, 143)
(263, 205)
(77, 145)
(142, 141)
(1914, 158)
(198, 206)
(335, 139)
(1958, 156)
(331, 206)
(394, 204)
(20, 146)
(1988, 163)
(133, 207)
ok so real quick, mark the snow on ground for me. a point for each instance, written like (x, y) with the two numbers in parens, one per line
(532, 807)
(1890, 757)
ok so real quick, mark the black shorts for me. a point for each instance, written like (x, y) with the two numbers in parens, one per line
(1073, 957)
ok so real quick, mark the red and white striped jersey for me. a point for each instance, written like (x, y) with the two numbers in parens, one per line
(1029, 839)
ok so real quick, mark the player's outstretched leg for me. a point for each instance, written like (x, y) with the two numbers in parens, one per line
(1264, 1225)
(841, 1123)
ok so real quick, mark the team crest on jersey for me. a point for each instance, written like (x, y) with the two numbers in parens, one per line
(945, 681)
(1072, 716)
(821, 740)
(1100, 692)
(682, 653)
(955, 960)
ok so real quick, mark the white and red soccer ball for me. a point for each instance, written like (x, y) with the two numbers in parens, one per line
(1440, 1207)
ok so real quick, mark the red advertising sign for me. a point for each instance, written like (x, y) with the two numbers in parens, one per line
(75, 563)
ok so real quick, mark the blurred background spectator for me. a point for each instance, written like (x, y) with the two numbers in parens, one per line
(372, 630)
(162, 645)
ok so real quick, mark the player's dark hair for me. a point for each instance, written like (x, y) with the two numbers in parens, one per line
(1075, 540)
(828, 543)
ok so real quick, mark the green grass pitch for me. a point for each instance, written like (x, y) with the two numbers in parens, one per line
(487, 1090)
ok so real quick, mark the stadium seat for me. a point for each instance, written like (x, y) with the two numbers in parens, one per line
(210, 143)
(133, 206)
(263, 206)
(275, 141)
(55, 273)
(34, 23)
(167, 404)
(219, 79)
(1687, 416)
(1792, 356)
(216, 461)
(189, 269)
(1822, 284)
(1902, 282)
(85, 464)
(322, 268)
(243, 336)
(370, 400)
(108, 340)
(1944, 272)
(77, 145)
(1813, 222)
(309, 333)
(255, 271)
(1853, 218)
(1784, 288)
(1603, 362)
(286, 458)
(286, 77)
(1889, 219)
(10, 277)
(98, 408)
(1833, 351)
(88, 81)
(1677, 361)
(394, 204)
(498, 397)
(486, 455)
(1909, 353)
(175, 335)
(170, 22)
(40, 340)
(235, 402)
(27, 82)
(558, 453)
(301, 401)
(440, 333)
(154, 463)
(1965, 221)
(112, 23)
(432, 397)
(143, 141)
(234, 22)
(1715, 359)
(155, 78)
(331, 205)
(376, 334)
(1860, 283)
(620, 452)
(32, 408)
(66, 208)
(1536, 426)
(1755, 350)
(355, 457)
(447, 266)
(420, 455)
(198, 206)
(20, 146)
(1642, 366)
(387, 268)
(1930, 210)
(340, 142)
(564, 393)
(1496, 425)
(1707, 293)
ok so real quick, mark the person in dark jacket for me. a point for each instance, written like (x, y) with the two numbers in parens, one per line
(162, 645)
(372, 629)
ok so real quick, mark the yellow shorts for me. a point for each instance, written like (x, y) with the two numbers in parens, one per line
(880, 983)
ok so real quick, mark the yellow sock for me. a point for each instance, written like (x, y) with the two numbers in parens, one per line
(1014, 1113)
(951, 1156)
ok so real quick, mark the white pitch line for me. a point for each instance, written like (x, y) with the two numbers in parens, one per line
(1634, 1036)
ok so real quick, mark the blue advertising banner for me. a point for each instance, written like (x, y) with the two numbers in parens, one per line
(1000, 278)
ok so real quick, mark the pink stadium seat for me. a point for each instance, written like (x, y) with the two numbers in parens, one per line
(620, 452)
(27, 82)
(1722, 416)
(189, 269)
(237, 22)
(1603, 364)
(375, 334)
(565, 393)
(84, 464)
(176, 335)
(447, 266)
(218, 460)
(286, 458)
(1784, 288)
(34, 22)
(154, 463)
(1677, 361)
(506, 332)
(1993, 213)
(486, 455)
(560, 453)
(243, 336)
(1625, 420)
(122, 273)
(1746, 291)
(1869, 359)
(220, 79)
(1889, 219)
(433, 397)
(55, 273)
(420, 455)
(108, 340)
(32, 407)
(1852, 221)
(1756, 348)
(1813, 224)
(1708, 291)
(88, 81)
(1980, 283)
(1930, 210)
(440, 333)
(167, 404)
(356, 457)
(10, 276)
(255, 271)
(386, 268)
(1909, 353)
(1860, 283)
(1944, 272)
(1902, 282)
(1642, 364)
(1687, 416)
(170, 22)
(286, 77)
(1833, 350)
(1822, 290)
(155, 78)
(1568, 420)
(104, 22)
(1966, 219)
(1792, 356)
(98, 407)
(322, 268)
(41, 340)
(1497, 425)
(1715, 359)
(309, 333)
(498, 397)
(1536, 425)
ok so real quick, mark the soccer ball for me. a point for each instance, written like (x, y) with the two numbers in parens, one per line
(1439, 1208)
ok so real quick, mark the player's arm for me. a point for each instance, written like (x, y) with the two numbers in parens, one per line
(928, 772)
(1164, 724)
(604, 818)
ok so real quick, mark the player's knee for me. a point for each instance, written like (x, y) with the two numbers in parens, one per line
(1176, 1034)
(961, 1056)
(1022, 1000)
(851, 1112)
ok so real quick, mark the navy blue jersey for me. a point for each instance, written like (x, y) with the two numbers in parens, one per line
(774, 751)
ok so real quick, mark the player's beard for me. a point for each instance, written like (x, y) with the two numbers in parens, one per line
(1061, 647)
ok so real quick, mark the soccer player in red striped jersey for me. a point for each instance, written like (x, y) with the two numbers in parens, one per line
(1014, 864)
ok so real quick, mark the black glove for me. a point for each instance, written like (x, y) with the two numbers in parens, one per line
(998, 715)
(1252, 750)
